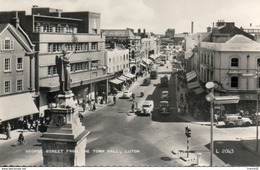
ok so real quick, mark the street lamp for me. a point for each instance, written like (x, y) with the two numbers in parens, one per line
(216, 100)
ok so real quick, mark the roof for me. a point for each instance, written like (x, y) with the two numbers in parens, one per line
(19, 34)
(118, 33)
(240, 39)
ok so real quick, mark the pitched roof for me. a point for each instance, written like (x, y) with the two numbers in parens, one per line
(118, 33)
(18, 34)
(240, 39)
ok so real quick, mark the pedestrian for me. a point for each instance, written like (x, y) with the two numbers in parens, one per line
(84, 105)
(94, 106)
(21, 138)
(90, 105)
(31, 123)
(114, 99)
(133, 106)
(216, 118)
(8, 130)
(36, 125)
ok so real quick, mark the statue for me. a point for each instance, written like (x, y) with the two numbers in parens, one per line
(63, 70)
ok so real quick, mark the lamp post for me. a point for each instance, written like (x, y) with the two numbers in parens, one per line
(210, 98)
(216, 100)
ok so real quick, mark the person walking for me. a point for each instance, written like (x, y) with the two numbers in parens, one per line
(114, 99)
(94, 106)
(8, 130)
(133, 106)
(216, 118)
(36, 125)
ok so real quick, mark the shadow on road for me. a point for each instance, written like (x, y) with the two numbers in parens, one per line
(232, 153)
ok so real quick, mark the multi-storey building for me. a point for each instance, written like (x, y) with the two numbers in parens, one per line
(16, 75)
(117, 62)
(228, 64)
(52, 31)
(130, 41)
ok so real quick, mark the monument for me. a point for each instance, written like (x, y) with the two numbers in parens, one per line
(65, 141)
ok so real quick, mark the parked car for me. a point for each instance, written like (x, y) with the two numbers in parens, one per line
(256, 118)
(236, 120)
(164, 107)
(148, 106)
(153, 74)
(164, 81)
(127, 94)
(165, 95)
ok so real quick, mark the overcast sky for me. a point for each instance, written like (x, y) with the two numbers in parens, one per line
(154, 15)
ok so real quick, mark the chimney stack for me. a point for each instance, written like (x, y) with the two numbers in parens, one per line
(192, 27)
(16, 20)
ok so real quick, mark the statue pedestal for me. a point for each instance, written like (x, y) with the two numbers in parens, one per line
(65, 141)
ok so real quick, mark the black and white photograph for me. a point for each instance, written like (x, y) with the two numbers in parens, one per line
(129, 84)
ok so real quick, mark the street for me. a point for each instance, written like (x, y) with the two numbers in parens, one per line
(119, 137)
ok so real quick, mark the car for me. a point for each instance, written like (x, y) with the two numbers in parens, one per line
(148, 106)
(162, 63)
(127, 94)
(164, 107)
(165, 95)
(236, 120)
(146, 82)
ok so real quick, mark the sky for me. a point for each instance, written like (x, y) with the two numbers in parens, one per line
(154, 15)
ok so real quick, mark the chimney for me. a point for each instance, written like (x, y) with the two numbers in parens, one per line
(192, 27)
(113, 45)
(208, 29)
(16, 20)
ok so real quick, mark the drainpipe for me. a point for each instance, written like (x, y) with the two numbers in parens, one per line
(37, 84)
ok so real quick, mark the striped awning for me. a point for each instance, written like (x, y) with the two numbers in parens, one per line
(191, 75)
(116, 81)
(193, 85)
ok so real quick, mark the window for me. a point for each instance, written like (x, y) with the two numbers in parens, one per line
(56, 48)
(258, 82)
(7, 86)
(47, 28)
(79, 47)
(258, 62)
(7, 64)
(19, 85)
(19, 64)
(94, 46)
(234, 62)
(69, 47)
(234, 82)
(86, 47)
(52, 70)
(59, 29)
(37, 27)
(78, 67)
(7, 44)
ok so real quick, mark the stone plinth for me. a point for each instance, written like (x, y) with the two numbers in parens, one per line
(65, 141)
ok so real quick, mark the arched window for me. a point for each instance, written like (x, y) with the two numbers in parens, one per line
(234, 62)
(234, 82)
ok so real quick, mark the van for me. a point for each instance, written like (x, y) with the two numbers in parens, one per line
(236, 120)
(148, 106)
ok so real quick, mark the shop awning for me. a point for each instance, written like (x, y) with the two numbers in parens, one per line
(199, 90)
(142, 64)
(123, 78)
(15, 106)
(116, 81)
(129, 75)
(193, 85)
(191, 75)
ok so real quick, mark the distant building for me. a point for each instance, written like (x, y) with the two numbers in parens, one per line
(170, 33)
(130, 41)
(16, 75)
